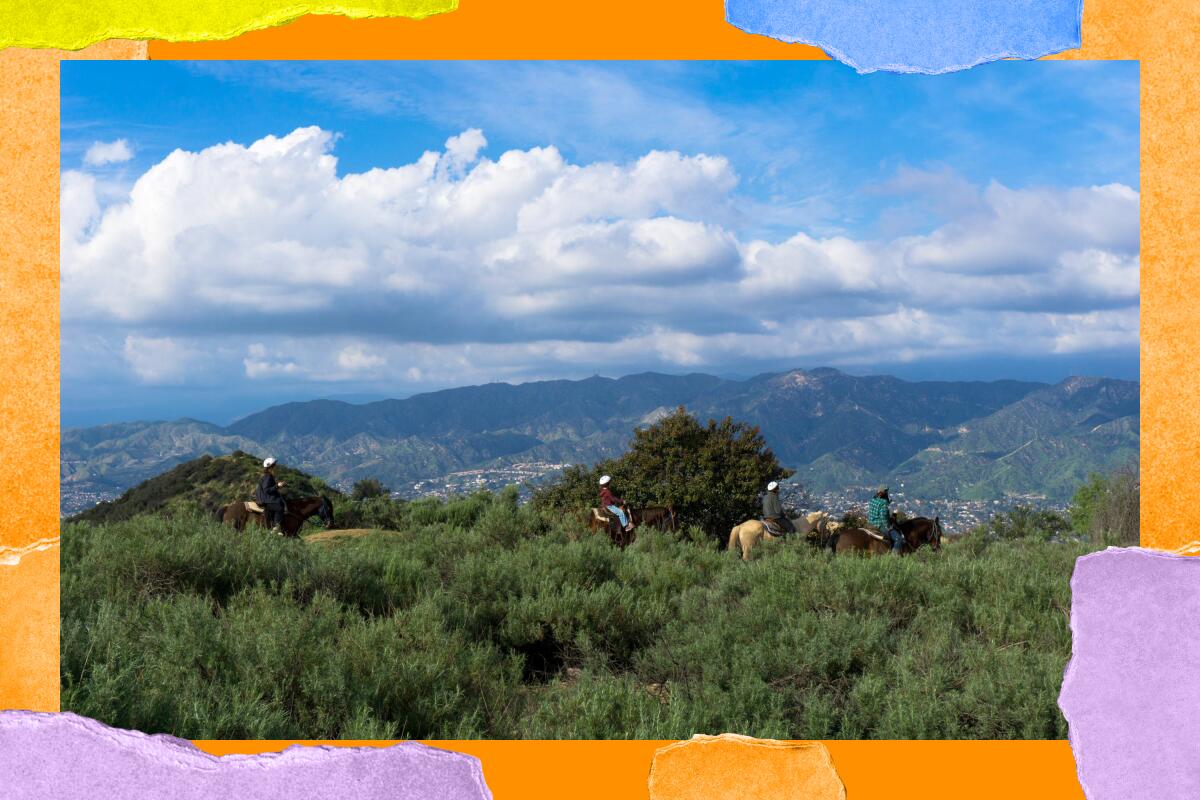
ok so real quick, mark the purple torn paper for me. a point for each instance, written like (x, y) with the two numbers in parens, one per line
(65, 756)
(1131, 692)
(928, 36)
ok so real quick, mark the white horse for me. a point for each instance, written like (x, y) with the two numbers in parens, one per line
(748, 533)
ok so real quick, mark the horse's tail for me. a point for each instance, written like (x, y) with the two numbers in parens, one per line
(832, 540)
(219, 513)
(733, 536)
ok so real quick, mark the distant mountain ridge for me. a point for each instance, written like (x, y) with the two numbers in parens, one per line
(968, 439)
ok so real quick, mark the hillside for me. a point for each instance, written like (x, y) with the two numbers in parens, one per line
(1052, 438)
(969, 439)
(491, 621)
(201, 484)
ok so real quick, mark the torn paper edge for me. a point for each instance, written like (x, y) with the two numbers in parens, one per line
(11, 556)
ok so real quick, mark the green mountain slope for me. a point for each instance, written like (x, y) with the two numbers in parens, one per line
(970, 439)
(203, 483)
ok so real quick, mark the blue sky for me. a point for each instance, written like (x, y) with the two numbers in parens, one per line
(748, 216)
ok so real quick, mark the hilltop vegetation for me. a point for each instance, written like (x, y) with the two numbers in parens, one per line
(711, 474)
(482, 618)
(199, 486)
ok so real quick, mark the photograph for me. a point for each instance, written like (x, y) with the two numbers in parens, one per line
(590, 399)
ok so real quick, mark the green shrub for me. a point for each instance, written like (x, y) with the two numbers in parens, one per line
(482, 618)
(368, 488)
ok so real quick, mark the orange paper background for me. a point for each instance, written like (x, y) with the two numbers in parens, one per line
(1162, 36)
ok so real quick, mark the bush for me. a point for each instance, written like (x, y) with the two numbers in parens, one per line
(367, 488)
(1107, 509)
(1023, 522)
(711, 473)
(483, 618)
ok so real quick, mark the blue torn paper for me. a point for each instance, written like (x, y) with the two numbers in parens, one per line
(928, 36)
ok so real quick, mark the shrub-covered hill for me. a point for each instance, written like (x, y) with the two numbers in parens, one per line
(201, 485)
(479, 618)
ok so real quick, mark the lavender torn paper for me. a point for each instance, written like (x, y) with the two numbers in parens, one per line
(65, 756)
(927, 36)
(1131, 692)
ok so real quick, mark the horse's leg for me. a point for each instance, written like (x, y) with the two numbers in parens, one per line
(749, 539)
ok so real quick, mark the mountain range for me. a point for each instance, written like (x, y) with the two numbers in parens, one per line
(961, 440)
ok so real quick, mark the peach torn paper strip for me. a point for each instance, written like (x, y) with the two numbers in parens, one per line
(74, 24)
(744, 768)
(65, 756)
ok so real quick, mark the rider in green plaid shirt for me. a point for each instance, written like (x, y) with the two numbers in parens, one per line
(879, 516)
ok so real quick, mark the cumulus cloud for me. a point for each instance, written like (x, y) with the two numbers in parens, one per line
(464, 265)
(104, 153)
(159, 360)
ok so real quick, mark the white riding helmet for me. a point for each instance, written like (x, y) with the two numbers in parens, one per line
(270, 462)
(772, 486)
(604, 479)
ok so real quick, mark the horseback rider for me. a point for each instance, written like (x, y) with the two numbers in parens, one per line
(614, 504)
(269, 497)
(773, 514)
(880, 517)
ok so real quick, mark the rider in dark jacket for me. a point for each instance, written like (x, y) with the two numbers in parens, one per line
(773, 510)
(269, 497)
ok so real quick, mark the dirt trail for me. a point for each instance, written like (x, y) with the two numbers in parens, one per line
(338, 533)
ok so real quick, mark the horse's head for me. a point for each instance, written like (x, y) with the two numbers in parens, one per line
(325, 511)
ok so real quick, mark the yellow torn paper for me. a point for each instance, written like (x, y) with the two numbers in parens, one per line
(75, 24)
(741, 767)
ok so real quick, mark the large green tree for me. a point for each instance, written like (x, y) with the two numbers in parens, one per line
(712, 473)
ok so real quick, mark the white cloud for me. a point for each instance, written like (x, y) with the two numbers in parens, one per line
(259, 363)
(459, 266)
(356, 358)
(159, 360)
(103, 153)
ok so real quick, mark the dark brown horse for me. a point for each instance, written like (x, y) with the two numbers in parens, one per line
(298, 511)
(917, 531)
(661, 517)
(601, 519)
(922, 530)
(859, 540)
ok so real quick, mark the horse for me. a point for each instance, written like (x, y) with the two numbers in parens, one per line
(604, 520)
(859, 540)
(812, 526)
(661, 517)
(922, 530)
(917, 531)
(237, 515)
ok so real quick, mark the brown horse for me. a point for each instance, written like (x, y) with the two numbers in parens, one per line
(298, 511)
(922, 530)
(917, 531)
(860, 540)
(661, 517)
(602, 519)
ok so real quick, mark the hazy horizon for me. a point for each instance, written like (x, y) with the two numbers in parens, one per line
(93, 419)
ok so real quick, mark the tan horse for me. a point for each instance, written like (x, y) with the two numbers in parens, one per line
(746, 535)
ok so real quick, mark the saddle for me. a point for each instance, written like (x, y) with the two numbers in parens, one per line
(773, 528)
(876, 535)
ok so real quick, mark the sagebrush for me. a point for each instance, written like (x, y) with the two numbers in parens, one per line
(482, 618)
